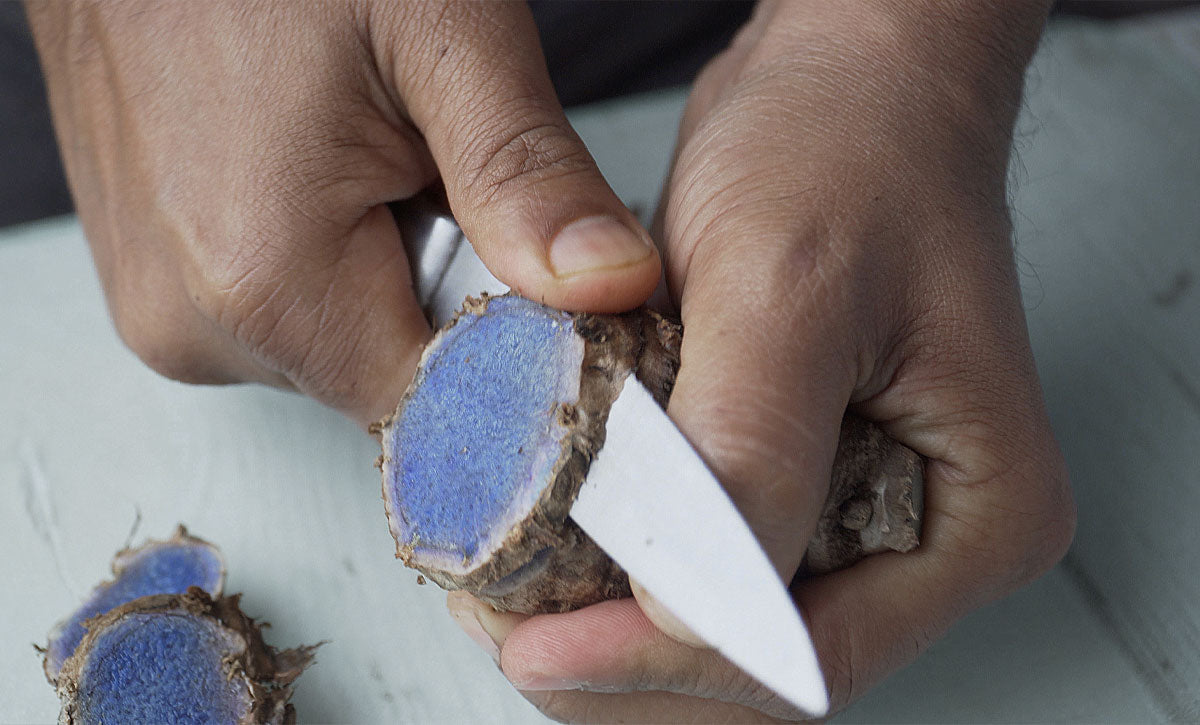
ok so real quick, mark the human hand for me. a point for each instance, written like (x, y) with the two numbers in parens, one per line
(231, 162)
(836, 234)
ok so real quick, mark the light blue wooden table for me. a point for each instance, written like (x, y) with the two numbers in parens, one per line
(1107, 209)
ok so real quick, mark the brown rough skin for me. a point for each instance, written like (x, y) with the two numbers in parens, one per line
(875, 503)
(548, 564)
(268, 673)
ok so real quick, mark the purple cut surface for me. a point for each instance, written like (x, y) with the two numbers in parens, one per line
(159, 567)
(158, 668)
(479, 437)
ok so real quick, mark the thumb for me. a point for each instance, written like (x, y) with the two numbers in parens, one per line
(520, 181)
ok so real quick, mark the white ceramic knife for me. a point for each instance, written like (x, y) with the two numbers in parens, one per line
(649, 500)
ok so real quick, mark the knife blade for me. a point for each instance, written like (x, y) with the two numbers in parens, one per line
(649, 500)
(653, 506)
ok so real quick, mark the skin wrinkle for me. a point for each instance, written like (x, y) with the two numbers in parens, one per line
(839, 673)
(744, 689)
(830, 66)
(686, 190)
(373, 88)
(331, 144)
(699, 257)
(341, 186)
(797, 276)
(539, 216)
(509, 106)
(381, 20)
(767, 292)
(349, 338)
(437, 34)
(524, 156)
(745, 193)
(335, 377)
(961, 547)
(266, 326)
(268, 260)
(269, 236)
(714, 132)
(964, 431)
(693, 678)
(311, 141)
(734, 686)
(475, 57)
(254, 324)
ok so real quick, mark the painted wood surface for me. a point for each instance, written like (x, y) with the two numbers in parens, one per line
(1108, 223)
(1107, 209)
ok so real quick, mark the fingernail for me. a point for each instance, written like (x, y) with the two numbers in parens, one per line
(595, 243)
(469, 621)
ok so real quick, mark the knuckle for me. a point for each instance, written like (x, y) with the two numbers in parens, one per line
(1037, 516)
(245, 287)
(156, 334)
(249, 300)
(1050, 527)
(519, 157)
(1028, 527)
